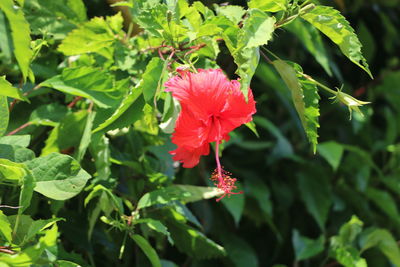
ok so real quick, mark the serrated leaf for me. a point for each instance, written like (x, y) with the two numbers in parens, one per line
(304, 96)
(183, 193)
(20, 33)
(6, 89)
(58, 176)
(147, 249)
(4, 115)
(311, 39)
(331, 23)
(233, 13)
(268, 5)
(95, 36)
(87, 82)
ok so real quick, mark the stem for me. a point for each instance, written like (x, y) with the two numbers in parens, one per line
(217, 160)
(76, 99)
(23, 126)
(318, 83)
(10, 207)
(122, 249)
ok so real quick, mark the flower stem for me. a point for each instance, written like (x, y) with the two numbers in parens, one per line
(217, 160)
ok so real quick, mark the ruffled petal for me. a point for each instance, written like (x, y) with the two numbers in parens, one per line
(204, 93)
(190, 157)
(189, 130)
(236, 111)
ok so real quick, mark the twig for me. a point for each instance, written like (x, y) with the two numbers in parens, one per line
(23, 126)
(10, 207)
(76, 99)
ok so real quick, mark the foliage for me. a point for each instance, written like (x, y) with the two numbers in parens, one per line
(85, 126)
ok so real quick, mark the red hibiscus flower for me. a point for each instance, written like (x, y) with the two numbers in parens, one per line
(211, 107)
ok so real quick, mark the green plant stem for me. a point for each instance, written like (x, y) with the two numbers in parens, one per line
(326, 88)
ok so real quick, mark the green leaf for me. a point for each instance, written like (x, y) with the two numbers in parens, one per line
(6, 45)
(183, 193)
(155, 225)
(305, 247)
(94, 84)
(384, 241)
(385, 202)
(331, 23)
(100, 151)
(67, 134)
(147, 249)
(235, 206)
(58, 176)
(86, 136)
(332, 152)
(16, 153)
(6, 89)
(48, 115)
(28, 228)
(25, 196)
(111, 202)
(311, 39)
(5, 228)
(304, 96)
(11, 171)
(125, 105)
(268, 5)
(20, 33)
(151, 78)
(257, 30)
(240, 252)
(233, 13)
(190, 241)
(316, 194)
(95, 36)
(4, 115)
(18, 140)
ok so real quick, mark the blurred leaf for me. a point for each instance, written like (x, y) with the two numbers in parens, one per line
(108, 201)
(305, 247)
(312, 41)
(20, 33)
(183, 193)
(384, 240)
(48, 115)
(147, 249)
(316, 194)
(4, 115)
(240, 252)
(385, 202)
(233, 13)
(100, 151)
(331, 23)
(58, 176)
(17, 140)
(155, 225)
(86, 136)
(268, 5)
(235, 206)
(5, 228)
(332, 152)
(6, 89)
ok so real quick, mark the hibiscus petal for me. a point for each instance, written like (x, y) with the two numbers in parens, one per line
(189, 130)
(190, 157)
(236, 111)
(204, 93)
